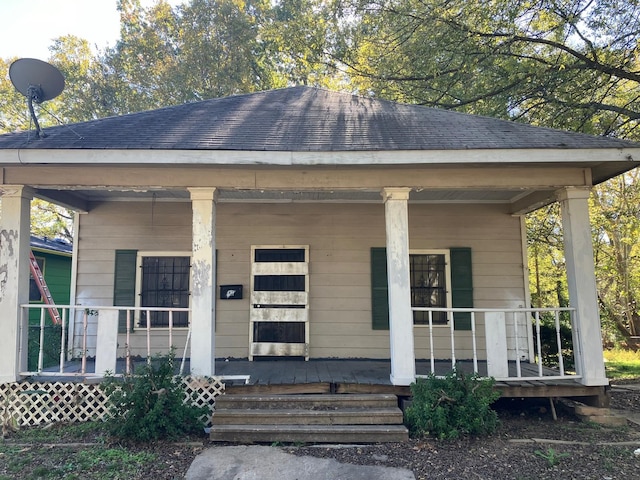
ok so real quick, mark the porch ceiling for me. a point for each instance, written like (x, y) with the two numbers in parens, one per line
(81, 198)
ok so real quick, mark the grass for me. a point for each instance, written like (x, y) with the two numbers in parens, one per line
(27, 457)
(622, 364)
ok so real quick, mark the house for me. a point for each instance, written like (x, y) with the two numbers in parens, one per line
(310, 224)
(54, 260)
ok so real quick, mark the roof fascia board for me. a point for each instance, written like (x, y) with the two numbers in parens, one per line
(277, 158)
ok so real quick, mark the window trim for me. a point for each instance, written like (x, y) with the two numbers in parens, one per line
(139, 256)
(447, 265)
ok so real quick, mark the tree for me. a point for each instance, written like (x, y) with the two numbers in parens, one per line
(616, 222)
(50, 220)
(570, 64)
(201, 49)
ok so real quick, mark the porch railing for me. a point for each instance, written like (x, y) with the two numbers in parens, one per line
(73, 354)
(515, 343)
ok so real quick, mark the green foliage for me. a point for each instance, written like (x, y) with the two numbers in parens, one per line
(570, 65)
(551, 456)
(450, 406)
(622, 364)
(150, 404)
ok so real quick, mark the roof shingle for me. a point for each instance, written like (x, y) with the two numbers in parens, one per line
(303, 119)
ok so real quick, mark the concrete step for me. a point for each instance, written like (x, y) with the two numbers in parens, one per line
(298, 416)
(306, 401)
(309, 433)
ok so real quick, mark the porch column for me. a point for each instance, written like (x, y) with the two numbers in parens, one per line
(14, 277)
(203, 281)
(403, 365)
(581, 280)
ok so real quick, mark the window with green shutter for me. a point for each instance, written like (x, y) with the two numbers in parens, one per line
(429, 284)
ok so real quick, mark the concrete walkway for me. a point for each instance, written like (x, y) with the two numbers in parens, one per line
(272, 463)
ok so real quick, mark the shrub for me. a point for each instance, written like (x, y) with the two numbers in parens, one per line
(450, 406)
(150, 404)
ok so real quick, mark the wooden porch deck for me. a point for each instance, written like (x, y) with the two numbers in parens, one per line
(281, 376)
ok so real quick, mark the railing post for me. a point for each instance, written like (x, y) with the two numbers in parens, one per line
(515, 335)
(452, 330)
(63, 345)
(433, 355)
(107, 342)
(538, 338)
(85, 326)
(559, 342)
(496, 339)
(41, 342)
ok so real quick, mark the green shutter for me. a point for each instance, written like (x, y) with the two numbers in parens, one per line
(379, 290)
(461, 286)
(124, 289)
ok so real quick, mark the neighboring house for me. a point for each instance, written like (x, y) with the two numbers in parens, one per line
(54, 259)
(308, 223)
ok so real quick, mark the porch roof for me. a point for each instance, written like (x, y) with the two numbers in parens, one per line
(311, 126)
(304, 119)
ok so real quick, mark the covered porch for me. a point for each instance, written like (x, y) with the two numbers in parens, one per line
(495, 340)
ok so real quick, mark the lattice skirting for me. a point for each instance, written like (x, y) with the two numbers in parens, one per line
(28, 404)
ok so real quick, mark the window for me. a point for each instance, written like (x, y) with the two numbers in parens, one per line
(429, 286)
(34, 291)
(164, 282)
(430, 277)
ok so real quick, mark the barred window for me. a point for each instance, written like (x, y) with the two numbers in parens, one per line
(165, 283)
(429, 286)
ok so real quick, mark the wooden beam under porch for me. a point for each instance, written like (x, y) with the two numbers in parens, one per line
(296, 376)
(280, 376)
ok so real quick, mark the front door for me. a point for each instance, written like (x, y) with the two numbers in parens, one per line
(279, 312)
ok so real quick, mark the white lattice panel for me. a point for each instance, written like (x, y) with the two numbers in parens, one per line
(39, 403)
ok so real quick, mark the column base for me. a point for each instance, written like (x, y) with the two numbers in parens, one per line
(594, 382)
(401, 381)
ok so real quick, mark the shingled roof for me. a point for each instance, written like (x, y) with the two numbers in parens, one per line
(302, 119)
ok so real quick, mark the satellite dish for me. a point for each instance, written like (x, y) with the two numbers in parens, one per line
(38, 81)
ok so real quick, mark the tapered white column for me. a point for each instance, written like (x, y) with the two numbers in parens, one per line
(203, 281)
(581, 280)
(14, 278)
(396, 214)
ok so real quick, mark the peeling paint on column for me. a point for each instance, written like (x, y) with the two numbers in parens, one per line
(201, 277)
(7, 257)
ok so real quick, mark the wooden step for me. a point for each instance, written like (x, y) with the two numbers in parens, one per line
(297, 416)
(316, 418)
(309, 433)
(306, 401)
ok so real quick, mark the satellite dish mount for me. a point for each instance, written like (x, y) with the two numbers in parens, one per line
(38, 81)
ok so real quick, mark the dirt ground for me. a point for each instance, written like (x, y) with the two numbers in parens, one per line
(529, 444)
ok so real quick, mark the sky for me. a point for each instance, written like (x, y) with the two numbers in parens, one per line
(28, 27)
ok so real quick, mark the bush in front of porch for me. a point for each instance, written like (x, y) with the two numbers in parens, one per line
(150, 404)
(453, 405)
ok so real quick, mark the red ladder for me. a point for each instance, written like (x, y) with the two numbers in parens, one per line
(44, 290)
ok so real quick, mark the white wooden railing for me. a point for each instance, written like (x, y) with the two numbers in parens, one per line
(509, 349)
(104, 329)
(512, 336)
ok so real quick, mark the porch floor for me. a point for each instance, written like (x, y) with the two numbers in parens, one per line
(280, 376)
(268, 376)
